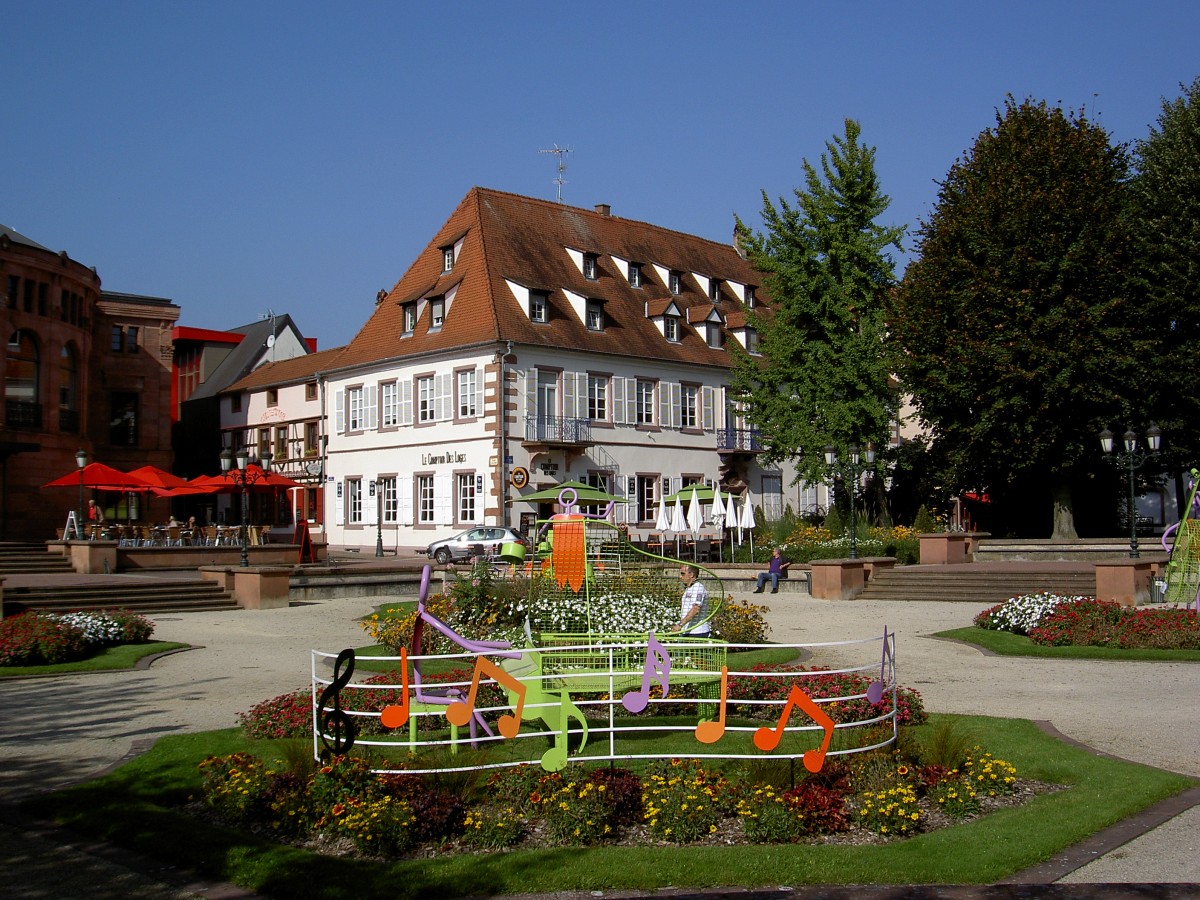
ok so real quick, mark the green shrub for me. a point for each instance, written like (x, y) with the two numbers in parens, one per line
(31, 639)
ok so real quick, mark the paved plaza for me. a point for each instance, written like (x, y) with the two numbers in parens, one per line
(58, 731)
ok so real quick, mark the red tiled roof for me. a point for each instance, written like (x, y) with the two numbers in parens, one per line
(506, 237)
(298, 368)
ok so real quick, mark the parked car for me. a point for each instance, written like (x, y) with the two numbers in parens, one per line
(488, 538)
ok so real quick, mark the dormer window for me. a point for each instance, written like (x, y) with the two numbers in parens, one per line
(447, 258)
(595, 315)
(538, 306)
(712, 334)
(714, 289)
(635, 275)
(589, 266)
(410, 318)
(751, 340)
(676, 283)
(671, 328)
(437, 312)
(750, 298)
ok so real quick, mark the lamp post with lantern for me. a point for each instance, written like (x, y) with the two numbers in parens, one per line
(81, 460)
(1130, 457)
(243, 479)
(853, 468)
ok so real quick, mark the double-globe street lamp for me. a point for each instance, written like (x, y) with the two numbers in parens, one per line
(1131, 457)
(243, 479)
(852, 471)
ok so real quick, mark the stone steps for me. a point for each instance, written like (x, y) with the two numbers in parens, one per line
(963, 584)
(147, 598)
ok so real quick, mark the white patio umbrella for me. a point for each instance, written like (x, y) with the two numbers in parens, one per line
(717, 516)
(678, 522)
(695, 520)
(746, 520)
(731, 518)
(663, 522)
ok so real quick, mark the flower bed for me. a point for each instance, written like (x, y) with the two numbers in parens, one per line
(1055, 620)
(35, 638)
(885, 797)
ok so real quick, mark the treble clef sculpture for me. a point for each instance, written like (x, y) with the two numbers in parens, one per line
(335, 723)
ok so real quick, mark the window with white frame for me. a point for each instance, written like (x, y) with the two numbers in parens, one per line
(671, 328)
(589, 266)
(389, 500)
(644, 402)
(595, 315)
(750, 296)
(687, 407)
(751, 340)
(676, 283)
(356, 416)
(598, 398)
(465, 491)
(389, 401)
(425, 500)
(538, 306)
(466, 394)
(437, 312)
(635, 275)
(354, 501)
(714, 289)
(447, 259)
(713, 334)
(426, 399)
(645, 497)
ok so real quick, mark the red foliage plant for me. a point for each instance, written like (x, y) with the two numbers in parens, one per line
(1097, 623)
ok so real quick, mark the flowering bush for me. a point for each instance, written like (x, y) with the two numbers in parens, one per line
(818, 684)
(381, 826)
(741, 622)
(768, 817)
(891, 810)
(574, 812)
(107, 628)
(681, 801)
(954, 795)
(488, 828)
(988, 775)
(1085, 622)
(820, 807)
(285, 716)
(236, 785)
(1021, 614)
(809, 542)
(35, 639)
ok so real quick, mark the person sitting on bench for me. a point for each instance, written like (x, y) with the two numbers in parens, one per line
(775, 570)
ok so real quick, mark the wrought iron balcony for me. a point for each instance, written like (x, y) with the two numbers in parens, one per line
(22, 414)
(745, 440)
(558, 430)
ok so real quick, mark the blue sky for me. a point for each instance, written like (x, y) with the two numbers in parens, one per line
(295, 157)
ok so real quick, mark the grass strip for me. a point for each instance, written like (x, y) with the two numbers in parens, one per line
(133, 806)
(122, 656)
(1005, 643)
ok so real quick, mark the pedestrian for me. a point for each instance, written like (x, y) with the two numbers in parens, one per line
(694, 614)
(95, 514)
(775, 569)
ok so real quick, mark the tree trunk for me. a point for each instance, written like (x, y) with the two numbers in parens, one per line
(1064, 514)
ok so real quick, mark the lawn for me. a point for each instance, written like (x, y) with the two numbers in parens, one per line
(122, 656)
(1005, 643)
(137, 806)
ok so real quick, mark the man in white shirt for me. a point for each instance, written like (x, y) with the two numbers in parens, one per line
(694, 616)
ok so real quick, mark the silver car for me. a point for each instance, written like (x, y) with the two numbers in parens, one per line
(486, 539)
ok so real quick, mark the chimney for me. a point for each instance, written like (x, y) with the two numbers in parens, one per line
(604, 209)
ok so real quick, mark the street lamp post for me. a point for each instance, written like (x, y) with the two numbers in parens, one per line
(81, 460)
(858, 463)
(1131, 458)
(243, 480)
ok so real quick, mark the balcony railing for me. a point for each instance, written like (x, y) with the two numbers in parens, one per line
(22, 414)
(748, 440)
(558, 430)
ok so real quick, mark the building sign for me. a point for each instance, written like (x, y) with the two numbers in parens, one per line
(519, 477)
(448, 458)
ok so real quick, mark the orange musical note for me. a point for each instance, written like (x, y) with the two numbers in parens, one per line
(766, 739)
(709, 732)
(460, 713)
(568, 554)
(658, 661)
(394, 716)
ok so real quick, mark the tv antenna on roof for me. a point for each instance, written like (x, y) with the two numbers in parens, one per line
(559, 153)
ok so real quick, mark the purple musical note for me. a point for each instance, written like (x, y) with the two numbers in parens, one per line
(875, 689)
(658, 661)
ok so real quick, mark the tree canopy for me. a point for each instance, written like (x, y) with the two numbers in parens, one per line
(821, 377)
(1165, 194)
(1015, 330)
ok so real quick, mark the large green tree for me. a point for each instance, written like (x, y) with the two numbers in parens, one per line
(1015, 329)
(822, 378)
(1166, 209)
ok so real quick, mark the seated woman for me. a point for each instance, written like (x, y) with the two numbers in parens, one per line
(775, 569)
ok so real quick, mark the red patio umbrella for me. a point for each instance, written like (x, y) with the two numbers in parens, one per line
(159, 478)
(100, 477)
